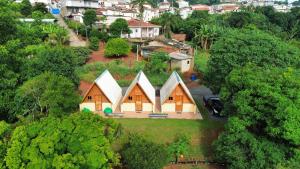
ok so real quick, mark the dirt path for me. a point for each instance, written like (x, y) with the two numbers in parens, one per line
(73, 38)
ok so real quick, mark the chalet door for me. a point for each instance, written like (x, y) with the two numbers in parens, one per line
(178, 103)
(98, 103)
(138, 103)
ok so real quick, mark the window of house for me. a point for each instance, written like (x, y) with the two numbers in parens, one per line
(136, 30)
(170, 98)
(89, 97)
(188, 62)
(129, 97)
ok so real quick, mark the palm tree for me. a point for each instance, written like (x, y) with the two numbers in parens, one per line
(56, 34)
(206, 35)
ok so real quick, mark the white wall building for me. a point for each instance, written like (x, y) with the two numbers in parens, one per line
(69, 7)
(141, 29)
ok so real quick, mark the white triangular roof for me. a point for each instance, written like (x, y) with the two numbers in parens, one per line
(109, 87)
(170, 85)
(145, 84)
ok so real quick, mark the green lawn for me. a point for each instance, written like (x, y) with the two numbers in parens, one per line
(201, 132)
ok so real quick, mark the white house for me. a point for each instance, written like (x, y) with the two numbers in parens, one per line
(176, 98)
(182, 4)
(150, 13)
(185, 12)
(104, 93)
(140, 96)
(69, 7)
(141, 29)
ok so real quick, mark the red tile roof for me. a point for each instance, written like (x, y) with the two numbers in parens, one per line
(137, 23)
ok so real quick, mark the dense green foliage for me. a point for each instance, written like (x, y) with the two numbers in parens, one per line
(117, 47)
(60, 60)
(179, 147)
(139, 153)
(81, 140)
(118, 27)
(94, 43)
(46, 94)
(5, 130)
(158, 62)
(238, 47)
(263, 104)
(89, 17)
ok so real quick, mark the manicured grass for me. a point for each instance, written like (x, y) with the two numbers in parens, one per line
(201, 60)
(202, 132)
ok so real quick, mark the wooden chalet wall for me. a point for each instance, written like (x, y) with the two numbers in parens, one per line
(137, 90)
(178, 91)
(97, 95)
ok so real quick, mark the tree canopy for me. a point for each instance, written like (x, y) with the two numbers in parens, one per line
(263, 128)
(81, 140)
(118, 27)
(47, 93)
(139, 153)
(89, 17)
(117, 47)
(236, 48)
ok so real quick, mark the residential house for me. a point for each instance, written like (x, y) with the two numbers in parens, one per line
(140, 96)
(182, 4)
(184, 12)
(200, 7)
(104, 93)
(164, 5)
(141, 29)
(70, 7)
(180, 61)
(175, 97)
(150, 13)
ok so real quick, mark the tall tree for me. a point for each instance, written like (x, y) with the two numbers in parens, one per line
(46, 94)
(206, 35)
(58, 59)
(118, 27)
(89, 18)
(263, 129)
(236, 48)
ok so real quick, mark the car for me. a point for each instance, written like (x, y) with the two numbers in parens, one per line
(214, 104)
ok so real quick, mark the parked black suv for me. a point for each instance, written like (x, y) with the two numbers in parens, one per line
(214, 104)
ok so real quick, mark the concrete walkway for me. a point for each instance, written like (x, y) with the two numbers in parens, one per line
(73, 38)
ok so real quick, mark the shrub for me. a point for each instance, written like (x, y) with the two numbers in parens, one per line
(116, 47)
(140, 153)
(94, 43)
(82, 54)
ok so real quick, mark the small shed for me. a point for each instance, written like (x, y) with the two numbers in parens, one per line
(180, 61)
(104, 93)
(140, 96)
(175, 97)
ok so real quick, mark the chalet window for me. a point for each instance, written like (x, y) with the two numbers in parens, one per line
(89, 97)
(188, 62)
(129, 97)
(170, 98)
